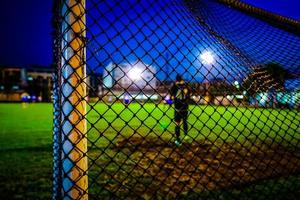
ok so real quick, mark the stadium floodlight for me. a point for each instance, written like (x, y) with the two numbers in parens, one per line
(135, 73)
(207, 58)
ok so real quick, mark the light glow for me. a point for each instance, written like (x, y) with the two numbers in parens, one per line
(236, 84)
(135, 73)
(207, 58)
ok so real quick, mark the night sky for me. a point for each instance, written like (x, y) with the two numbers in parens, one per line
(25, 35)
(288, 8)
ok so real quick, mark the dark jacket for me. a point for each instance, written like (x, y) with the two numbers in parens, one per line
(180, 93)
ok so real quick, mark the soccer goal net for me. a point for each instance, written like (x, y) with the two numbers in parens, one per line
(175, 99)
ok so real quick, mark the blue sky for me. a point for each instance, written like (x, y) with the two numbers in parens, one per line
(25, 35)
(288, 8)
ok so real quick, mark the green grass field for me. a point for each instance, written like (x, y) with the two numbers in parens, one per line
(205, 122)
(31, 126)
(25, 151)
(26, 135)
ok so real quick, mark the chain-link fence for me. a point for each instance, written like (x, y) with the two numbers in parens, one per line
(161, 99)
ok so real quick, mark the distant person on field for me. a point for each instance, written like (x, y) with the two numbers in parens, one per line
(180, 94)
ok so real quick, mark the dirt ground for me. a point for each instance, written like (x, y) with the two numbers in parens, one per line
(150, 167)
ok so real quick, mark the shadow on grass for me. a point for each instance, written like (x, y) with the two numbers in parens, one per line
(151, 168)
(154, 169)
(26, 174)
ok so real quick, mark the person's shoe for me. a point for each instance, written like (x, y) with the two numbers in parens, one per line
(177, 142)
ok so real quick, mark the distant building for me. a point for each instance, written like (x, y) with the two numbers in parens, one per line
(136, 78)
(33, 84)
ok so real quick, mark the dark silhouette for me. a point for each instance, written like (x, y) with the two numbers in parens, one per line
(180, 94)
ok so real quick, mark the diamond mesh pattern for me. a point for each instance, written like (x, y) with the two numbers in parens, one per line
(116, 120)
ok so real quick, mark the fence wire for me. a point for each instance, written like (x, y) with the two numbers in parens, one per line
(181, 99)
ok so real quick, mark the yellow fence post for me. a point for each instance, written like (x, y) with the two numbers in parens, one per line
(73, 88)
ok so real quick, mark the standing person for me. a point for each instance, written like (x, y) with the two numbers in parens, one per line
(180, 94)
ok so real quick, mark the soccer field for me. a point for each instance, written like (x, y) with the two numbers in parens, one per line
(26, 135)
(205, 122)
(24, 126)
